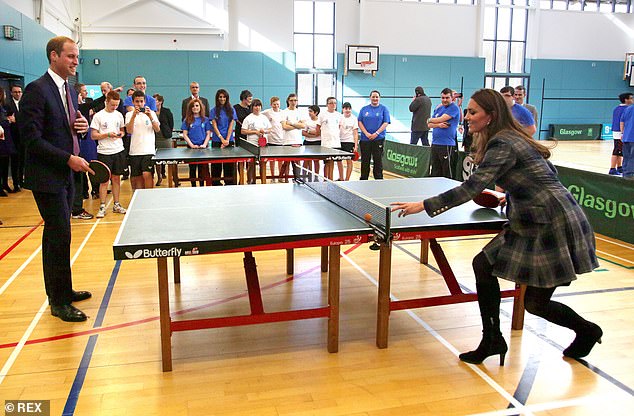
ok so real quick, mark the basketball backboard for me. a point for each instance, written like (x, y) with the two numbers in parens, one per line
(362, 58)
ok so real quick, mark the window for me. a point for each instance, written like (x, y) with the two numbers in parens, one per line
(610, 6)
(314, 34)
(504, 43)
(314, 45)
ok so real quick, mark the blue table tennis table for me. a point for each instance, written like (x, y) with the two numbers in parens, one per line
(336, 212)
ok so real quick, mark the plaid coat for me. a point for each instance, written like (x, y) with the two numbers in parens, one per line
(548, 239)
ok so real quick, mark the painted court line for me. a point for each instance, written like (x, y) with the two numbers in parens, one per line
(629, 247)
(541, 407)
(445, 343)
(615, 257)
(17, 272)
(17, 243)
(82, 371)
(36, 319)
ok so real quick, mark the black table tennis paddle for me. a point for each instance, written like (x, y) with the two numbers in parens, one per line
(102, 172)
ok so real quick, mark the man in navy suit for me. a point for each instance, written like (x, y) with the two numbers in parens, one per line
(49, 123)
(17, 161)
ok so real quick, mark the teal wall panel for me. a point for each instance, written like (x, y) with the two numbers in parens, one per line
(26, 57)
(95, 74)
(397, 77)
(169, 73)
(571, 92)
(12, 56)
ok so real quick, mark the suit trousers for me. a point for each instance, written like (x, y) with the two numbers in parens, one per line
(17, 164)
(77, 205)
(371, 149)
(55, 209)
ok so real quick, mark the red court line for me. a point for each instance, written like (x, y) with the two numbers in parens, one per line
(156, 318)
(14, 245)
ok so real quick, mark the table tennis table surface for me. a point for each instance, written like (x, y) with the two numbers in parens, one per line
(187, 155)
(185, 221)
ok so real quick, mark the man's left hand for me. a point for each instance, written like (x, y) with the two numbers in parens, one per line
(81, 124)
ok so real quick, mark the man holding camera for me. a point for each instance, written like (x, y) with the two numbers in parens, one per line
(420, 107)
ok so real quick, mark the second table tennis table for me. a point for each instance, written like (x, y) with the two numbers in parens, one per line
(292, 216)
(245, 152)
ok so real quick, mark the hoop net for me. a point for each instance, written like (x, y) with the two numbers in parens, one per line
(366, 66)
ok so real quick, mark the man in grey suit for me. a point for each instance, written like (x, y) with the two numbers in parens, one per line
(195, 90)
(420, 107)
(49, 124)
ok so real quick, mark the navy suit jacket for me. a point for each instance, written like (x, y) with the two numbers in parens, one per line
(46, 134)
(13, 111)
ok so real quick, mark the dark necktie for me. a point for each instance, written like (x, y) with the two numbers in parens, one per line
(72, 116)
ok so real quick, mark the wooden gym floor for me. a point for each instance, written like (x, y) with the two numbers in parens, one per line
(110, 365)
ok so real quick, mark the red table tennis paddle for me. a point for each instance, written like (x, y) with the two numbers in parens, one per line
(355, 156)
(488, 199)
(102, 172)
(261, 141)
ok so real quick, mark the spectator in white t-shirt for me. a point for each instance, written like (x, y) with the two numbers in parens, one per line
(107, 127)
(329, 128)
(311, 138)
(293, 124)
(276, 134)
(141, 123)
(349, 135)
(254, 126)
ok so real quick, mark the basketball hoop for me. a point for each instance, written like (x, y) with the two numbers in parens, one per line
(366, 66)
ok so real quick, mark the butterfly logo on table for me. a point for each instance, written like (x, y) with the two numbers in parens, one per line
(136, 254)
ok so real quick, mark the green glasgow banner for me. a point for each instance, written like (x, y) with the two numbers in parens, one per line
(414, 161)
(575, 131)
(608, 201)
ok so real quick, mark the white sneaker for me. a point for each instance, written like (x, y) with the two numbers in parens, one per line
(102, 212)
(118, 208)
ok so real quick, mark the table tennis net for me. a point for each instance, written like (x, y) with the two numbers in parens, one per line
(353, 202)
(249, 147)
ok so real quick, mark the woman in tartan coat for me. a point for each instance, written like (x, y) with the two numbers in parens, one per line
(545, 244)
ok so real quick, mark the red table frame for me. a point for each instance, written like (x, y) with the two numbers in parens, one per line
(428, 241)
(331, 260)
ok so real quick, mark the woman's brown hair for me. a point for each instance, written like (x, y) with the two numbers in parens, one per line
(502, 119)
(189, 115)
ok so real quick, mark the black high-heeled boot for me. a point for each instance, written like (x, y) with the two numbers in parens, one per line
(586, 337)
(492, 343)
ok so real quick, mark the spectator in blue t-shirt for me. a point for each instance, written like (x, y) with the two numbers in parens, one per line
(520, 113)
(444, 123)
(373, 120)
(223, 120)
(196, 130)
(616, 161)
(627, 127)
(140, 84)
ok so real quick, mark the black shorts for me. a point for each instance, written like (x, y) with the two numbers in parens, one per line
(116, 162)
(315, 143)
(618, 148)
(140, 164)
(347, 146)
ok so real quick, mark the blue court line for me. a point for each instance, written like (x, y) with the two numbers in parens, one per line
(80, 377)
(527, 380)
